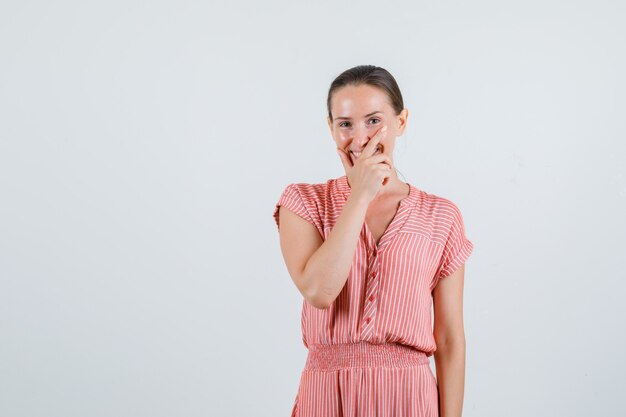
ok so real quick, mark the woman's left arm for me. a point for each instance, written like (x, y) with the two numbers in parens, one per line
(450, 339)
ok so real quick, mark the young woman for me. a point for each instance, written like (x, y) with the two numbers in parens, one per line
(368, 253)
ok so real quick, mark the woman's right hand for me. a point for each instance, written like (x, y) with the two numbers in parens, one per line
(369, 172)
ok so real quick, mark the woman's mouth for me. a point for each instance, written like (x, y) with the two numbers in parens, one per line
(355, 155)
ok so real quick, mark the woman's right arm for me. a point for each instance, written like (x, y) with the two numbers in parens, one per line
(320, 268)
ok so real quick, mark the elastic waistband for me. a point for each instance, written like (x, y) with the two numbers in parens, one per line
(363, 355)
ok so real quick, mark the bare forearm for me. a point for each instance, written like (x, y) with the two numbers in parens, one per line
(450, 365)
(327, 269)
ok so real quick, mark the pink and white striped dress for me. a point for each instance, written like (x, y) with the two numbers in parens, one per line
(368, 353)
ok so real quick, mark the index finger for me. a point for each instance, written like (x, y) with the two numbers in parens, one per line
(370, 148)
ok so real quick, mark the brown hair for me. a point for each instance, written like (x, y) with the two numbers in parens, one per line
(371, 75)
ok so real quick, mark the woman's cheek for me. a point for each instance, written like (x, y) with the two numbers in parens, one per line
(343, 139)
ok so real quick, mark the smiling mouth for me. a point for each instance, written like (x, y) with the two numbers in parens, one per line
(355, 155)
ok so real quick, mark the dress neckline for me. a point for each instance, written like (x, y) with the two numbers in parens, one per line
(405, 207)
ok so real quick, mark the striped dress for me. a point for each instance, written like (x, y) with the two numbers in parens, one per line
(368, 353)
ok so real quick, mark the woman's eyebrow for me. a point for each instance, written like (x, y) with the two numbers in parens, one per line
(367, 115)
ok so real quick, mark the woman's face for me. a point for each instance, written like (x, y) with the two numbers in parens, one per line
(358, 113)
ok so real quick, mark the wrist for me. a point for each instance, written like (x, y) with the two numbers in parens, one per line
(358, 200)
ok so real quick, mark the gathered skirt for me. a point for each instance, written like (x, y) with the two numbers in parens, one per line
(366, 380)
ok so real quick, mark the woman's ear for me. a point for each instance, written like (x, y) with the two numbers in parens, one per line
(402, 119)
(330, 124)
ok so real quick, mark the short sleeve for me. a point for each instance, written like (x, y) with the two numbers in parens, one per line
(457, 246)
(300, 199)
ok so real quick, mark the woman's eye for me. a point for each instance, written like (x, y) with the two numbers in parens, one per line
(342, 124)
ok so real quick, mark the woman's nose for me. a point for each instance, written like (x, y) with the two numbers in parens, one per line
(361, 138)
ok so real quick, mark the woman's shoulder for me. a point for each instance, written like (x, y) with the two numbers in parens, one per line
(314, 191)
(436, 208)
(437, 201)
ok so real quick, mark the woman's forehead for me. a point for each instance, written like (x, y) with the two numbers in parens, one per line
(356, 102)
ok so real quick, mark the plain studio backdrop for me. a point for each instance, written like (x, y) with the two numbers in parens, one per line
(143, 146)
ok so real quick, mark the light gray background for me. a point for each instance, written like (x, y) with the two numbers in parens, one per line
(143, 146)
